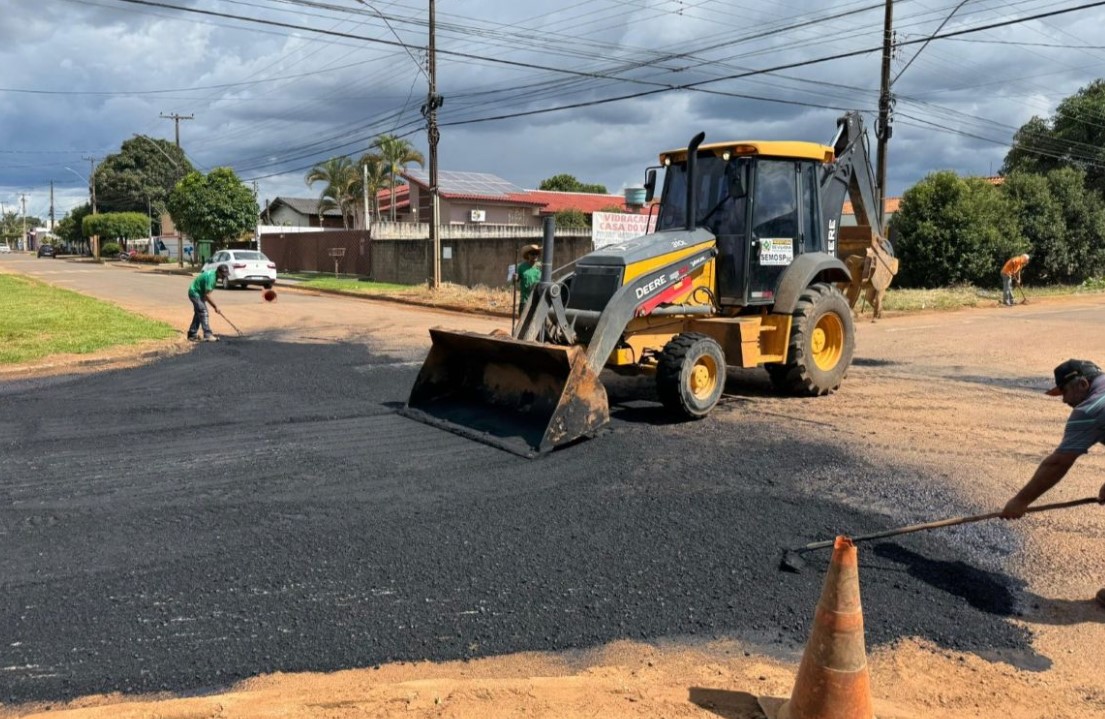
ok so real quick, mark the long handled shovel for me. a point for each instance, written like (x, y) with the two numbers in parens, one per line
(792, 558)
(1024, 297)
(220, 313)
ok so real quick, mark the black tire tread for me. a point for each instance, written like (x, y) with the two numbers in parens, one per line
(795, 377)
(669, 370)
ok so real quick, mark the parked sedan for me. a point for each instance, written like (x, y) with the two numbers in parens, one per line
(4, 248)
(47, 251)
(243, 268)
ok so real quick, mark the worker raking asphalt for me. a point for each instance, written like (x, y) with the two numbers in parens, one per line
(259, 507)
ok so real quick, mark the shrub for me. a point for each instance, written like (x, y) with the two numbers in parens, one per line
(151, 259)
(954, 230)
(110, 249)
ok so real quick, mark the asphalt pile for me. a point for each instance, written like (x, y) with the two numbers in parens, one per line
(253, 507)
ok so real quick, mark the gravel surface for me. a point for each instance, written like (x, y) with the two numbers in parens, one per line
(256, 506)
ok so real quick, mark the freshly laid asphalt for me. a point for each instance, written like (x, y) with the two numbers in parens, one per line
(256, 506)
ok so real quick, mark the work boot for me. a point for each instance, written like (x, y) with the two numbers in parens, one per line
(193, 338)
(211, 338)
(1100, 597)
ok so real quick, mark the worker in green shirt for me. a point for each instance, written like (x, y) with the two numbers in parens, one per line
(199, 293)
(529, 271)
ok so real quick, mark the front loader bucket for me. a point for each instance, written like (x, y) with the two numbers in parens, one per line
(524, 397)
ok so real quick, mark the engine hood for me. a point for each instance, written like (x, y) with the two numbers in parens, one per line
(646, 247)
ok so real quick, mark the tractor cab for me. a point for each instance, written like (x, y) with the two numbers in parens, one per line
(760, 200)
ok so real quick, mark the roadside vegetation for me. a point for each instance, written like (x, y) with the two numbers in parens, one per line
(37, 320)
(1049, 202)
(500, 299)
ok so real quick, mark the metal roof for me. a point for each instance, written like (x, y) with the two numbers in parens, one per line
(478, 184)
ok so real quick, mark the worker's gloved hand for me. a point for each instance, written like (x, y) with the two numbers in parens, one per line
(1016, 508)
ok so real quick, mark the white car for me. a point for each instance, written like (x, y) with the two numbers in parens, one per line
(4, 248)
(243, 268)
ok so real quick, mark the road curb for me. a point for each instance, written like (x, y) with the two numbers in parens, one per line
(31, 371)
(394, 300)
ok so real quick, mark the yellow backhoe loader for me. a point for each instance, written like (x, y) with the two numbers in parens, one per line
(748, 266)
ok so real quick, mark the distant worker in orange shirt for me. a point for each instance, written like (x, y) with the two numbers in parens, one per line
(1010, 273)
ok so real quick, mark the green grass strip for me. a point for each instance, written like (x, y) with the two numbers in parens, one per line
(38, 320)
(354, 285)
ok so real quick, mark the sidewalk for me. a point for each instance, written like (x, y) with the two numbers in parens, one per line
(288, 284)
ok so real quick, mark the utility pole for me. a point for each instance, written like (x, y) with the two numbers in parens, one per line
(51, 205)
(23, 241)
(176, 121)
(883, 130)
(429, 110)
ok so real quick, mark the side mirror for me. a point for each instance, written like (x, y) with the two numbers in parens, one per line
(650, 185)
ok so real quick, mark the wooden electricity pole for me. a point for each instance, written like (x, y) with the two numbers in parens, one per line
(883, 130)
(429, 110)
(176, 121)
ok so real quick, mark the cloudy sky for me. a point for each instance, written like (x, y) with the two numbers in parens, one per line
(532, 88)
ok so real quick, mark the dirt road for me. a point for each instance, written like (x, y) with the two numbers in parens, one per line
(257, 508)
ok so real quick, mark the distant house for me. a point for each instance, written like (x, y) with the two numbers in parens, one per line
(479, 198)
(299, 212)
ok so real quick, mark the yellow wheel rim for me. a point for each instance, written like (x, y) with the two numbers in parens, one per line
(704, 377)
(827, 341)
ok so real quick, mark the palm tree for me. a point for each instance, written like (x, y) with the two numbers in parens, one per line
(396, 154)
(340, 177)
(377, 180)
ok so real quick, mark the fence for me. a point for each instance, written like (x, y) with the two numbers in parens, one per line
(400, 252)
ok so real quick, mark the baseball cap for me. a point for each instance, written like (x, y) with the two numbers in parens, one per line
(1072, 369)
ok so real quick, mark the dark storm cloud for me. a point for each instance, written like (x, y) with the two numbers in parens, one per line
(270, 102)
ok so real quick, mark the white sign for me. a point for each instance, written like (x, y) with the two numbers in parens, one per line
(510, 270)
(776, 251)
(612, 228)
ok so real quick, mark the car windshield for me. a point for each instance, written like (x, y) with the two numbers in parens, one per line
(249, 256)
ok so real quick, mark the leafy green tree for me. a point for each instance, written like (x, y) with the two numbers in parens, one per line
(569, 183)
(215, 207)
(69, 228)
(1063, 221)
(954, 230)
(1073, 137)
(571, 219)
(121, 226)
(341, 182)
(396, 153)
(140, 176)
(12, 224)
(1084, 219)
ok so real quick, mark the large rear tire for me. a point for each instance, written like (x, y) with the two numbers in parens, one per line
(822, 340)
(690, 375)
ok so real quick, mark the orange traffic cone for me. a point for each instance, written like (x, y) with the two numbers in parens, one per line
(833, 682)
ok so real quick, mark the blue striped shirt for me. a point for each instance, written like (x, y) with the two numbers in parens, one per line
(1086, 424)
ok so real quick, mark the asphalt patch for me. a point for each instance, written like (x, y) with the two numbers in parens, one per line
(258, 506)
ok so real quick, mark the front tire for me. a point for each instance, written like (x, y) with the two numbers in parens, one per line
(822, 341)
(690, 375)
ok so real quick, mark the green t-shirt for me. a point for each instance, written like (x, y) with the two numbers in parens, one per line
(204, 283)
(528, 277)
